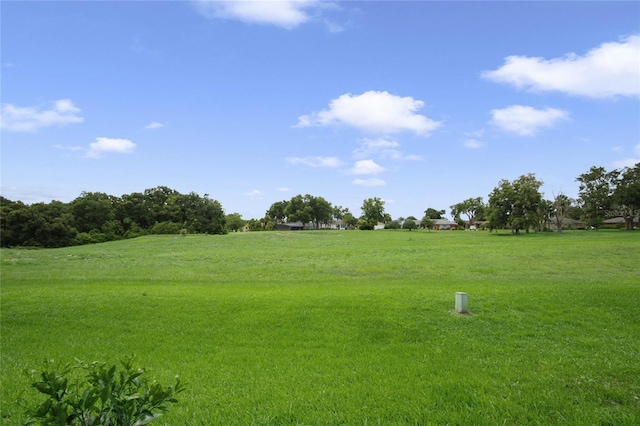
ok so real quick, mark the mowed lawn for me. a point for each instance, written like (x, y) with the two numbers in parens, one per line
(342, 328)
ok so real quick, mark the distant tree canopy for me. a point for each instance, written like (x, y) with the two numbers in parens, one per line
(305, 209)
(372, 213)
(606, 194)
(98, 217)
(432, 213)
(519, 205)
(473, 208)
(515, 204)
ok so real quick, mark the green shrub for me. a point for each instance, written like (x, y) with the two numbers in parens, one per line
(366, 225)
(166, 227)
(107, 396)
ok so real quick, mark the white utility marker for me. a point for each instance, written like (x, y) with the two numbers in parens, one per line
(461, 303)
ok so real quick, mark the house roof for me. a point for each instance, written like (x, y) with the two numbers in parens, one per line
(619, 219)
(444, 222)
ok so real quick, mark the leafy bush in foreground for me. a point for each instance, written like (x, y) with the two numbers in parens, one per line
(108, 397)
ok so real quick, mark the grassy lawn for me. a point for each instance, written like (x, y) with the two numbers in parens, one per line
(334, 327)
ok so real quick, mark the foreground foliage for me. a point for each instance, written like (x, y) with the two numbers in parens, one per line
(106, 396)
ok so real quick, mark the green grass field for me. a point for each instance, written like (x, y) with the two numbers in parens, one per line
(342, 328)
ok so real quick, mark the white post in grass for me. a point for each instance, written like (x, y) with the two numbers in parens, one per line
(461, 303)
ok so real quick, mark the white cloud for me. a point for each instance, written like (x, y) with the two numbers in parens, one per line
(473, 144)
(283, 13)
(30, 119)
(475, 133)
(366, 167)
(283, 189)
(254, 195)
(382, 148)
(611, 69)
(154, 125)
(68, 148)
(375, 112)
(369, 182)
(526, 120)
(107, 145)
(628, 162)
(316, 161)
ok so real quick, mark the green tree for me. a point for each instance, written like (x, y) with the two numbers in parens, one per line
(133, 212)
(37, 225)
(349, 220)
(515, 204)
(321, 210)
(298, 210)
(91, 210)
(409, 224)
(235, 222)
(156, 203)
(471, 207)
(276, 212)
(561, 207)
(426, 222)
(373, 210)
(595, 194)
(433, 213)
(394, 224)
(626, 196)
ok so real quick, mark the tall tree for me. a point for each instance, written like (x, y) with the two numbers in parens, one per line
(276, 212)
(561, 207)
(426, 223)
(320, 209)
(92, 210)
(298, 210)
(349, 220)
(235, 222)
(373, 210)
(515, 204)
(156, 203)
(595, 194)
(37, 225)
(471, 207)
(432, 213)
(626, 196)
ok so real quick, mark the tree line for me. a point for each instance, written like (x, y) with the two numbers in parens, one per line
(517, 205)
(98, 217)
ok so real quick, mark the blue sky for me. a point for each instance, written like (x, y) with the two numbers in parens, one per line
(422, 104)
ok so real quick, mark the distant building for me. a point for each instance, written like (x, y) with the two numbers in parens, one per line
(444, 225)
(289, 226)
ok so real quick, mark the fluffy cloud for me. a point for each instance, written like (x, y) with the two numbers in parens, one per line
(154, 125)
(369, 182)
(382, 148)
(374, 112)
(473, 144)
(366, 167)
(525, 120)
(30, 119)
(283, 13)
(628, 162)
(254, 195)
(316, 161)
(107, 145)
(68, 147)
(611, 69)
